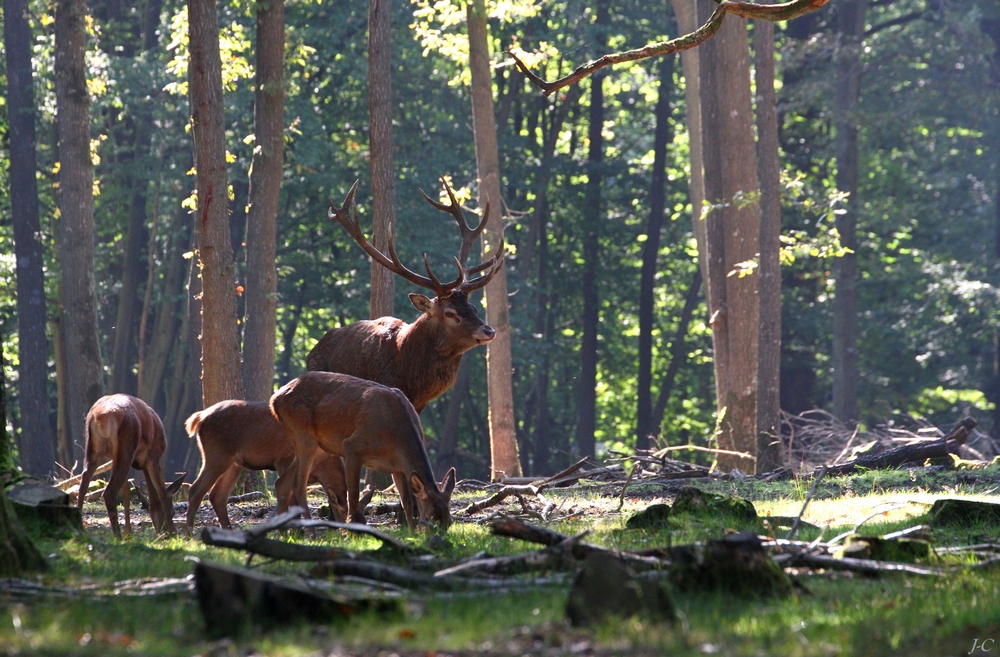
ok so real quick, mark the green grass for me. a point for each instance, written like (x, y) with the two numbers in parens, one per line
(833, 615)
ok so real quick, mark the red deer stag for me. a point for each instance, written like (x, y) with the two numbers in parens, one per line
(233, 435)
(126, 430)
(421, 358)
(369, 425)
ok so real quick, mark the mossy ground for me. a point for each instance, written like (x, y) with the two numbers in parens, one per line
(836, 614)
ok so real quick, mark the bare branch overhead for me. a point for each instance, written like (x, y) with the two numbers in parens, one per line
(773, 13)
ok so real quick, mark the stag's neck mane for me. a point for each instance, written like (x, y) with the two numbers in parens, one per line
(426, 332)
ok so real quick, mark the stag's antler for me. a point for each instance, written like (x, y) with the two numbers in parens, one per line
(469, 237)
(462, 284)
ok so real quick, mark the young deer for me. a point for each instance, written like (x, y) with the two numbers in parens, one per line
(233, 435)
(421, 358)
(126, 430)
(369, 425)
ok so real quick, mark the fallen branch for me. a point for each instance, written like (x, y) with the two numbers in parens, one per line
(916, 452)
(268, 547)
(812, 491)
(410, 579)
(555, 557)
(66, 484)
(774, 13)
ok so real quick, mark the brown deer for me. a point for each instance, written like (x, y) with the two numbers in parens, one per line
(369, 425)
(233, 435)
(130, 433)
(421, 358)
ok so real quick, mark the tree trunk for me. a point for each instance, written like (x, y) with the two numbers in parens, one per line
(447, 456)
(592, 219)
(850, 28)
(769, 453)
(504, 460)
(37, 438)
(168, 315)
(676, 353)
(260, 323)
(17, 553)
(380, 146)
(686, 13)
(220, 363)
(650, 250)
(76, 219)
(184, 388)
(733, 232)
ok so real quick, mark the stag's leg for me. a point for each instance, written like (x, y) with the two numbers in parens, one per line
(301, 466)
(207, 479)
(352, 470)
(118, 480)
(405, 498)
(85, 479)
(223, 488)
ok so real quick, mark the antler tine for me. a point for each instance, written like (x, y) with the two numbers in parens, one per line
(469, 234)
(489, 263)
(496, 264)
(352, 225)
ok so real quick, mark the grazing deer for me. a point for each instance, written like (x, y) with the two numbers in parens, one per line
(233, 435)
(421, 358)
(130, 433)
(369, 425)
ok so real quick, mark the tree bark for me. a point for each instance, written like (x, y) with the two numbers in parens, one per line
(592, 217)
(380, 146)
(260, 320)
(650, 251)
(504, 459)
(733, 232)
(447, 456)
(76, 219)
(220, 371)
(850, 29)
(37, 438)
(769, 452)
(184, 389)
(686, 12)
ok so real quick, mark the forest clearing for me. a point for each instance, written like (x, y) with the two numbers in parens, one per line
(521, 327)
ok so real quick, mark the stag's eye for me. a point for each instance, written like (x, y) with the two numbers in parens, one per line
(450, 314)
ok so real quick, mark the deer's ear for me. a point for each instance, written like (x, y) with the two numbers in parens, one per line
(417, 487)
(448, 485)
(421, 303)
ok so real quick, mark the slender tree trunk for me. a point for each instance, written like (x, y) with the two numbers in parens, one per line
(76, 219)
(447, 456)
(769, 452)
(64, 441)
(592, 218)
(733, 232)
(380, 147)
(676, 353)
(686, 13)
(37, 438)
(168, 315)
(850, 28)
(260, 324)
(184, 389)
(650, 251)
(220, 373)
(504, 460)
(120, 31)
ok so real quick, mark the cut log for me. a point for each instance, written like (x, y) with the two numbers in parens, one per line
(234, 600)
(46, 506)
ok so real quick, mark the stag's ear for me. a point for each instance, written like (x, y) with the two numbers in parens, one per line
(448, 485)
(421, 303)
(417, 487)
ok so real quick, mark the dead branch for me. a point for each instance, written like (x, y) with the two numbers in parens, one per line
(267, 547)
(554, 557)
(812, 491)
(410, 579)
(909, 453)
(773, 13)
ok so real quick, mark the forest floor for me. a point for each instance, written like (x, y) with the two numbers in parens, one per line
(94, 602)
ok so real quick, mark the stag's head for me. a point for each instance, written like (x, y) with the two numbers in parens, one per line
(450, 307)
